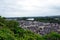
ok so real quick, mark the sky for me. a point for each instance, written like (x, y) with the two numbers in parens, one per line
(29, 8)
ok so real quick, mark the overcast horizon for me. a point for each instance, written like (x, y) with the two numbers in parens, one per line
(29, 8)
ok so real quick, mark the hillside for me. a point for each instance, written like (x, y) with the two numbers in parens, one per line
(10, 30)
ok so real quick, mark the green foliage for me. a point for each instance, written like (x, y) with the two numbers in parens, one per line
(47, 19)
(52, 36)
(12, 24)
(6, 34)
(10, 30)
(23, 18)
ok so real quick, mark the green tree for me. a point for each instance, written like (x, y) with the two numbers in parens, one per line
(52, 36)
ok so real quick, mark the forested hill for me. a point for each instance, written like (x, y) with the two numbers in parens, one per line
(10, 30)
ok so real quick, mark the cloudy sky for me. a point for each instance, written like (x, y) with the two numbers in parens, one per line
(24, 8)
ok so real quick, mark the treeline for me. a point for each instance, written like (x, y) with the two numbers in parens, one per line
(10, 30)
(43, 19)
(48, 19)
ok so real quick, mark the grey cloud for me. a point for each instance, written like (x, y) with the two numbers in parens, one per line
(10, 8)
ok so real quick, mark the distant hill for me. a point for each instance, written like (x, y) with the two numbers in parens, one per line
(34, 17)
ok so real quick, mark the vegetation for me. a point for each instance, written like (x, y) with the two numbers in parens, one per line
(10, 30)
(52, 36)
(22, 18)
(48, 19)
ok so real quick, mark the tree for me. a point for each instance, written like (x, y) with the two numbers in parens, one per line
(52, 36)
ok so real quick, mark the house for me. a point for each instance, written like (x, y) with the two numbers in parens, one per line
(31, 19)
